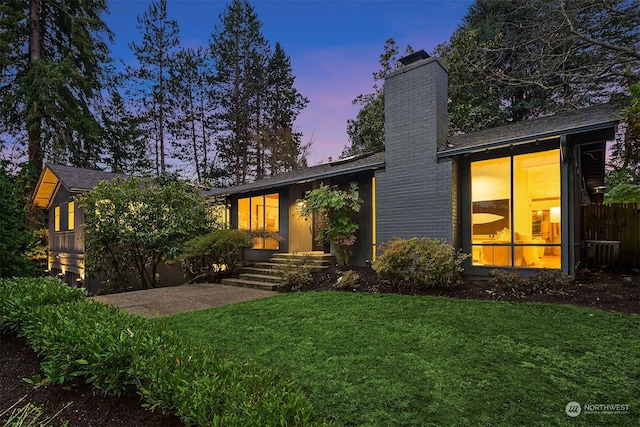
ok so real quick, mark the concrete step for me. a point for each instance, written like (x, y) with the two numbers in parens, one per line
(268, 278)
(278, 266)
(250, 284)
(266, 275)
(312, 257)
(256, 270)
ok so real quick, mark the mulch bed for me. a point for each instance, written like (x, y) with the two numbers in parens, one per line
(85, 407)
(79, 404)
(605, 290)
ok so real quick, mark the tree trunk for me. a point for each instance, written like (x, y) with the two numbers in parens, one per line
(161, 118)
(35, 52)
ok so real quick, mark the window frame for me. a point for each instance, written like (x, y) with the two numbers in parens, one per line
(256, 222)
(510, 153)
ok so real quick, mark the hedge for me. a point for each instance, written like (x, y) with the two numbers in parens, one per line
(118, 353)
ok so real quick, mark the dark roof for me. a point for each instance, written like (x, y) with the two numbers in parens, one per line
(75, 180)
(370, 161)
(575, 121)
(80, 179)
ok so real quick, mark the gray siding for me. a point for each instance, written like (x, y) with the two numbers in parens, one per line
(414, 193)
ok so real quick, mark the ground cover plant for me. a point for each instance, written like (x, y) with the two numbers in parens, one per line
(117, 354)
(385, 359)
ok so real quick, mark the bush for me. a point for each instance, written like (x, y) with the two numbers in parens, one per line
(296, 273)
(66, 334)
(544, 281)
(349, 280)
(548, 281)
(212, 391)
(506, 281)
(19, 296)
(419, 262)
(117, 352)
(210, 256)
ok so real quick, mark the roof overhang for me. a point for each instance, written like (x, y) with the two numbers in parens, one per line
(46, 189)
(527, 139)
(298, 180)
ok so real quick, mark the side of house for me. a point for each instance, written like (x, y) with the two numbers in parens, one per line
(56, 190)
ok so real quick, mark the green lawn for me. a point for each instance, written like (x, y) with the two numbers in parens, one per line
(394, 360)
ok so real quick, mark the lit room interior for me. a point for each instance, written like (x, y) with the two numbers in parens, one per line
(515, 218)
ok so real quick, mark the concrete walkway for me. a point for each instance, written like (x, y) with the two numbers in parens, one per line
(178, 299)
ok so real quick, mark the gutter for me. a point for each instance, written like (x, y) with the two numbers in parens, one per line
(291, 181)
(522, 140)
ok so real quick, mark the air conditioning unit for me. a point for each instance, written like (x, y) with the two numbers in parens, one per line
(600, 253)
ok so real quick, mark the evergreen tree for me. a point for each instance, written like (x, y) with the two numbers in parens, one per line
(282, 145)
(52, 58)
(539, 57)
(124, 148)
(160, 37)
(366, 132)
(14, 240)
(240, 52)
(193, 129)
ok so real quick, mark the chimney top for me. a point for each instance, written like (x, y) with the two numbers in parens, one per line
(414, 57)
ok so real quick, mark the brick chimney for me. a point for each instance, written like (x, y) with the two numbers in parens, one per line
(416, 195)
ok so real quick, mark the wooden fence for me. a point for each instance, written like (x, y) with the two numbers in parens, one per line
(615, 222)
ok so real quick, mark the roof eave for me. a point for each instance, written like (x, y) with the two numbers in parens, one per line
(44, 200)
(523, 139)
(292, 181)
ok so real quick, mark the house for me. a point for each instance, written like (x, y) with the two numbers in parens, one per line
(55, 191)
(510, 196)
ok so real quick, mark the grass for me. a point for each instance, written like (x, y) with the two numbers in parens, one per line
(394, 360)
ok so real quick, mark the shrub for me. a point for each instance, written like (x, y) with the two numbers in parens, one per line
(548, 281)
(296, 273)
(19, 296)
(208, 390)
(419, 262)
(115, 352)
(506, 281)
(208, 257)
(349, 280)
(91, 340)
(544, 281)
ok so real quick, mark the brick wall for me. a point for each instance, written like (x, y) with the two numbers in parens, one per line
(414, 193)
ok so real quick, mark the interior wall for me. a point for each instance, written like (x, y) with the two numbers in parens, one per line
(300, 229)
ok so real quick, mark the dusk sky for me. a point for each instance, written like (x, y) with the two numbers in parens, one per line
(334, 47)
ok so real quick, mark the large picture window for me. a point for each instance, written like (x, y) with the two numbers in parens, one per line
(259, 214)
(515, 211)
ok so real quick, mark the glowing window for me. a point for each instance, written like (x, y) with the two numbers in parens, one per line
(56, 218)
(515, 211)
(71, 216)
(259, 215)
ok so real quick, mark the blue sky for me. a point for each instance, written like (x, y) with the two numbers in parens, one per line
(334, 46)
